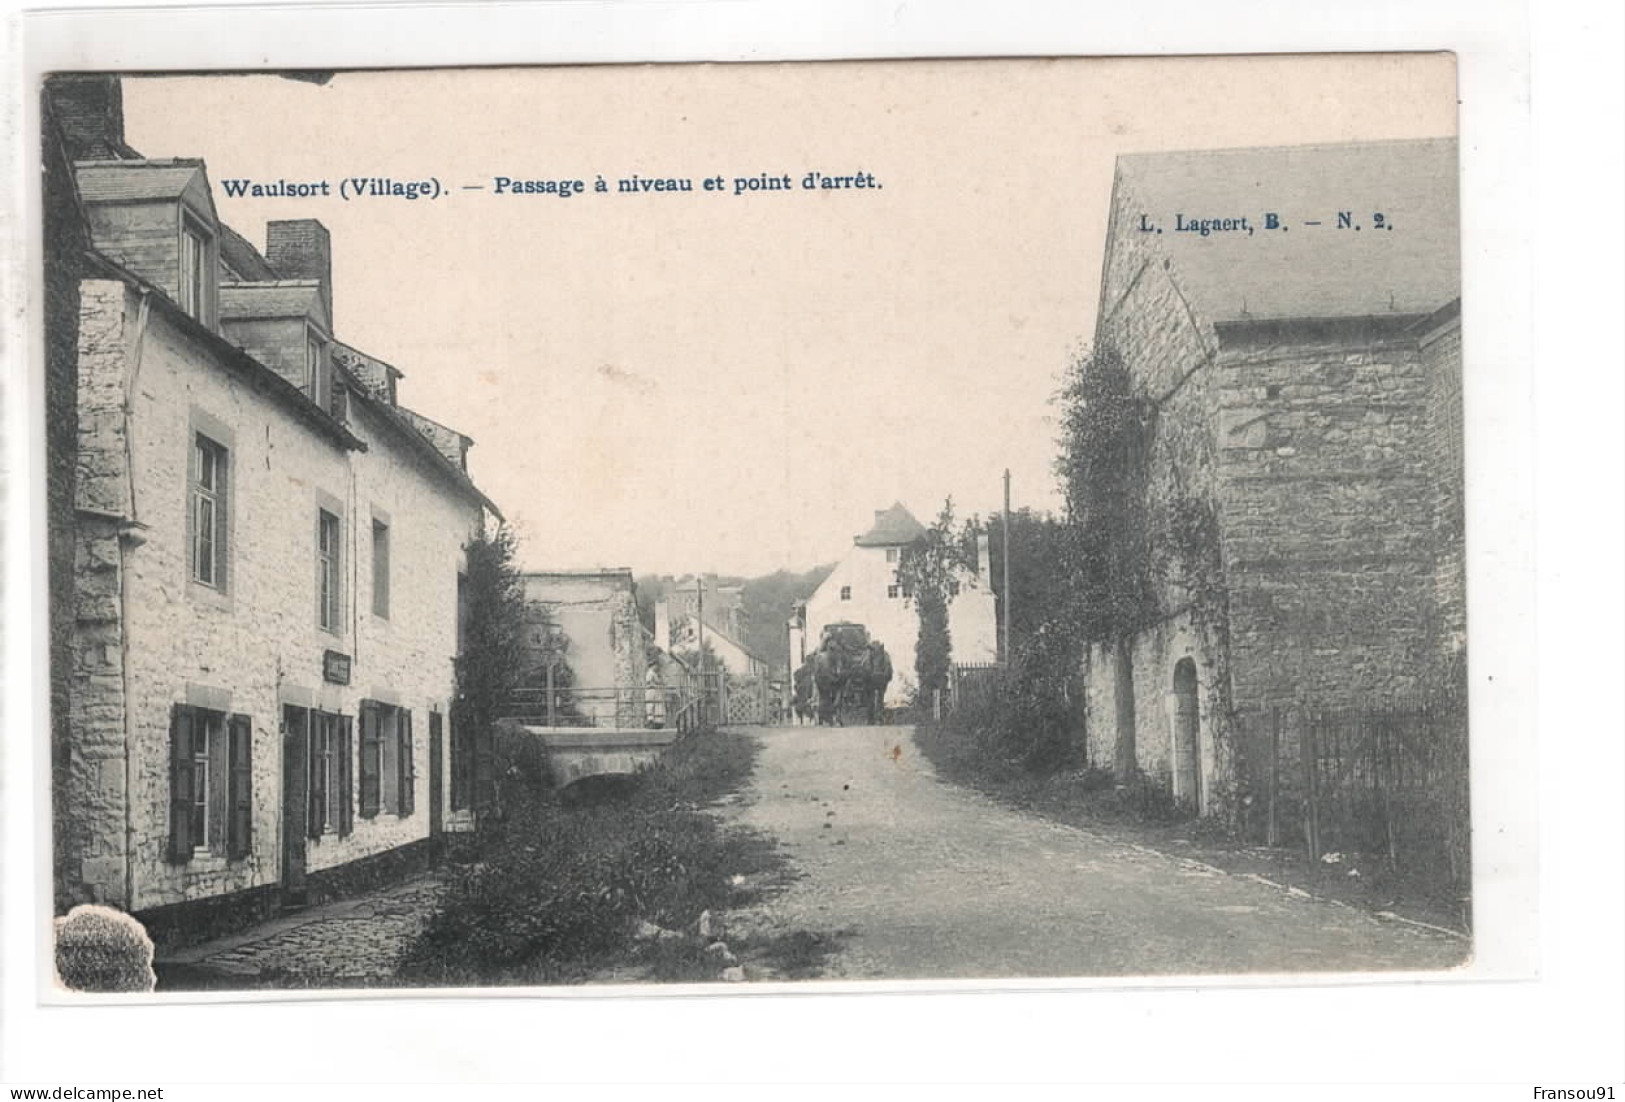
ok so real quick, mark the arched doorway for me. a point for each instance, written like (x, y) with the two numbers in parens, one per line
(1187, 736)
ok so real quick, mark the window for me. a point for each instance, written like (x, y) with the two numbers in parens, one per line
(892, 591)
(208, 512)
(462, 769)
(380, 569)
(462, 613)
(891, 554)
(318, 379)
(328, 801)
(210, 783)
(846, 593)
(194, 273)
(388, 778)
(329, 596)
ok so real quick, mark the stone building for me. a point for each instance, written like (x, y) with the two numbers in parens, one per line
(1288, 320)
(864, 588)
(262, 619)
(597, 613)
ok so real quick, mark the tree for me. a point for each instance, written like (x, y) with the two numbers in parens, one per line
(926, 571)
(491, 665)
(1107, 430)
(1106, 436)
(1042, 587)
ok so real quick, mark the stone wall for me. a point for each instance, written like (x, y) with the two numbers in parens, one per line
(1152, 656)
(1327, 506)
(65, 241)
(598, 613)
(1441, 358)
(89, 799)
(1169, 351)
(257, 645)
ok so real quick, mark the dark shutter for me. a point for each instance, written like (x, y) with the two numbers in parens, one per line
(346, 750)
(371, 760)
(180, 783)
(321, 749)
(240, 824)
(408, 768)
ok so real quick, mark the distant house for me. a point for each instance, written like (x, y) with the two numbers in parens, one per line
(723, 605)
(681, 634)
(1301, 384)
(864, 588)
(596, 610)
(260, 628)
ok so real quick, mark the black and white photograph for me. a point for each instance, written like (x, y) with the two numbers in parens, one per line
(728, 549)
(865, 522)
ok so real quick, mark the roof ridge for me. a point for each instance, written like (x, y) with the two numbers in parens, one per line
(1220, 150)
(142, 162)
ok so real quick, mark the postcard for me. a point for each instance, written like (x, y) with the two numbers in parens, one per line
(736, 527)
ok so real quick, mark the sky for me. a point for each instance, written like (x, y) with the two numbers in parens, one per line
(699, 380)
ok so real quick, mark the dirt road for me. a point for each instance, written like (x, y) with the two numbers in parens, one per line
(931, 881)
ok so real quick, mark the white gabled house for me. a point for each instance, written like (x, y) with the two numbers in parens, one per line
(864, 588)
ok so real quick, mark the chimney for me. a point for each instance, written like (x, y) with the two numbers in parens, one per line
(662, 624)
(300, 248)
(89, 107)
(982, 555)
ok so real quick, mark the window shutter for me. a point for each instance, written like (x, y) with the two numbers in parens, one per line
(408, 767)
(180, 784)
(221, 526)
(371, 760)
(240, 825)
(347, 755)
(211, 726)
(321, 746)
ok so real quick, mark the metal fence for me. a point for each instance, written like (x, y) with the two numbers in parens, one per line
(682, 707)
(1389, 780)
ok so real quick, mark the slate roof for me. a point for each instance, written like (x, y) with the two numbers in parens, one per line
(1307, 271)
(284, 298)
(241, 258)
(893, 527)
(234, 358)
(135, 181)
(413, 437)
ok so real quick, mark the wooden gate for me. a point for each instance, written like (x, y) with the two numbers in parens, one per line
(747, 700)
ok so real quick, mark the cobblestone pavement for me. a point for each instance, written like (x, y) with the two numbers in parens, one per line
(926, 880)
(354, 942)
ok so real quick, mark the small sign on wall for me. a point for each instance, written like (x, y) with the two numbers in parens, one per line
(336, 667)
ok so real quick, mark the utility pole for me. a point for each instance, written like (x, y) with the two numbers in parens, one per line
(1006, 564)
(699, 624)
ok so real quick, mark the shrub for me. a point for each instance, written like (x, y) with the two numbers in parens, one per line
(100, 949)
(559, 887)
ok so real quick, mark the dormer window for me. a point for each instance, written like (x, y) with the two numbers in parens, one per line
(193, 286)
(318, 372)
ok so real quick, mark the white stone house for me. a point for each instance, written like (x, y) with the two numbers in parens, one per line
(864, 588)
(682, 634)
(268, 553)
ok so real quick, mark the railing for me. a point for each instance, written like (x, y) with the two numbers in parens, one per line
(682, 707)
(1388, 780)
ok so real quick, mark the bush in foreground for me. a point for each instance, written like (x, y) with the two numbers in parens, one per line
(560, 889)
